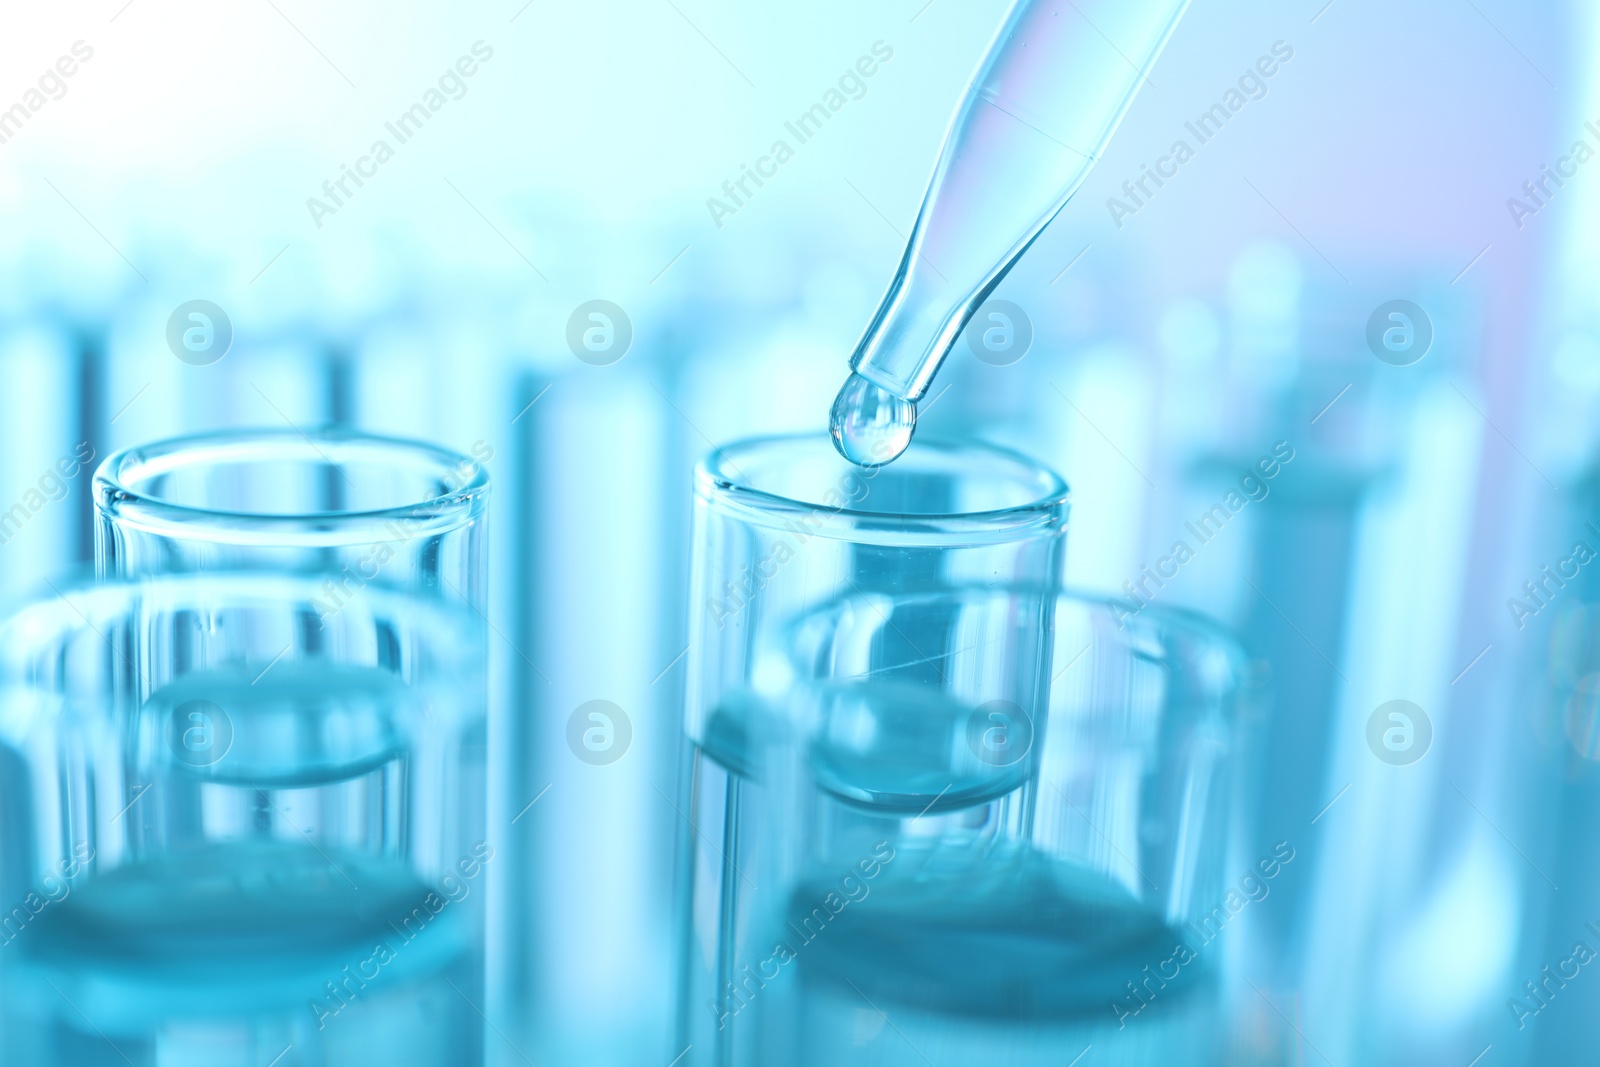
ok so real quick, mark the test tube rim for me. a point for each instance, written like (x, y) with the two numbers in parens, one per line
(118, 498)
(80, 602)
(719, 483)
(1149, 621)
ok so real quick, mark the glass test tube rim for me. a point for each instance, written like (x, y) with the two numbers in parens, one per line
(719, 482)
(1145, 626)
(119, 497)
(35, 622)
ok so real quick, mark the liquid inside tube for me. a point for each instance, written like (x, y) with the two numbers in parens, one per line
(870, 425)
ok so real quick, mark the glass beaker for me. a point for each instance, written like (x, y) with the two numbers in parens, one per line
(997, 832)
(356, 508)
(781, 525)
(238, 830)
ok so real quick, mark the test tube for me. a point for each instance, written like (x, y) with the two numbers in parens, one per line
(998, 824)
(356, 509)
(780, 525)
(360, 513)
(244, 831)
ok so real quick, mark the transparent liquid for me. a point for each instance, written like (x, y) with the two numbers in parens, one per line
(892, 748)
(257, 901)
(1005, 933)
(233, 954)
(970, 945)
(870, 425)
(288, 725)
(956, 956)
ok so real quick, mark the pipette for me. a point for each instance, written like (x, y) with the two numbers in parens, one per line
(1047, 97)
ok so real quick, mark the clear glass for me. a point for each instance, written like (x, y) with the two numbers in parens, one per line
(782, 525)
(239, 832)
(987, 826)
(356, 508)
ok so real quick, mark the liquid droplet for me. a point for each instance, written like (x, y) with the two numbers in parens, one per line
(870, 425)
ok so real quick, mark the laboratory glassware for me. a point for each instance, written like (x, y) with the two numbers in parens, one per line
(357, 509)
(1038, 113)
(996, 830)
(239, 829)
(781, 525)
